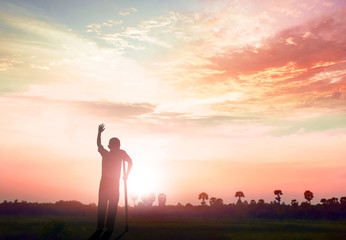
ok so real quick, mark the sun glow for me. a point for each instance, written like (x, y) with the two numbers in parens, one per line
(143, 180)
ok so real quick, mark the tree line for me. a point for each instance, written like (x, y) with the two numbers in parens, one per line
(58, 208)
(332, 208)
(308, 195)
(148, 200)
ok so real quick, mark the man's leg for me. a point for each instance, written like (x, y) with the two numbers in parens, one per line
(101, 212)
(112, 212)
(112, 209)
(102, 206)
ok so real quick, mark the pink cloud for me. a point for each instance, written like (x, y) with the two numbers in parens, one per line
(303, 66)
(319, 40)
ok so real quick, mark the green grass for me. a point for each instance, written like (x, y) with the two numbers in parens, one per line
(45, 227)
(77, 228)
(235, 229)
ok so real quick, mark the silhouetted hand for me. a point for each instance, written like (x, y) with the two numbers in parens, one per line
(101, 128)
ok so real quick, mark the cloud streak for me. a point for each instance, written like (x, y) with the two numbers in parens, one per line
(100, 109)
(127, 11)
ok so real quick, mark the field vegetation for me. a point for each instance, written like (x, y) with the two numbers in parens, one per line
(76, 221)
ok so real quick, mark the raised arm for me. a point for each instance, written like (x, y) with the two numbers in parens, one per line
(101, 129)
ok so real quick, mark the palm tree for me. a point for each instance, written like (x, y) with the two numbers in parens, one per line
(162, 199)
(278, 193)
(239, 195)
(204, 197)
(308, 196)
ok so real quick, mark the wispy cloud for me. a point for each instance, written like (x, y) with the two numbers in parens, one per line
(127, 11)
(29, 45)
(111, 111)
(5, 64)
(97, 27)
(161, 31)
(99, 109)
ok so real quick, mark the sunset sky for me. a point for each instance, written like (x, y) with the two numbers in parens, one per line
(207, 96)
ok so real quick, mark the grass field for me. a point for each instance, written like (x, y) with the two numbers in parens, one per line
(78, 228)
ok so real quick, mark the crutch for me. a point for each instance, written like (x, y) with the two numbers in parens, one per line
(125, 193)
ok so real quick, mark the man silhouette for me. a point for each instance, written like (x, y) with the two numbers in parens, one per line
(109, 184)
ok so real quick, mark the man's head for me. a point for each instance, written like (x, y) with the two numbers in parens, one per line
(114, 143)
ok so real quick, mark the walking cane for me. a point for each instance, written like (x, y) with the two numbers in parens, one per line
(125, 190)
